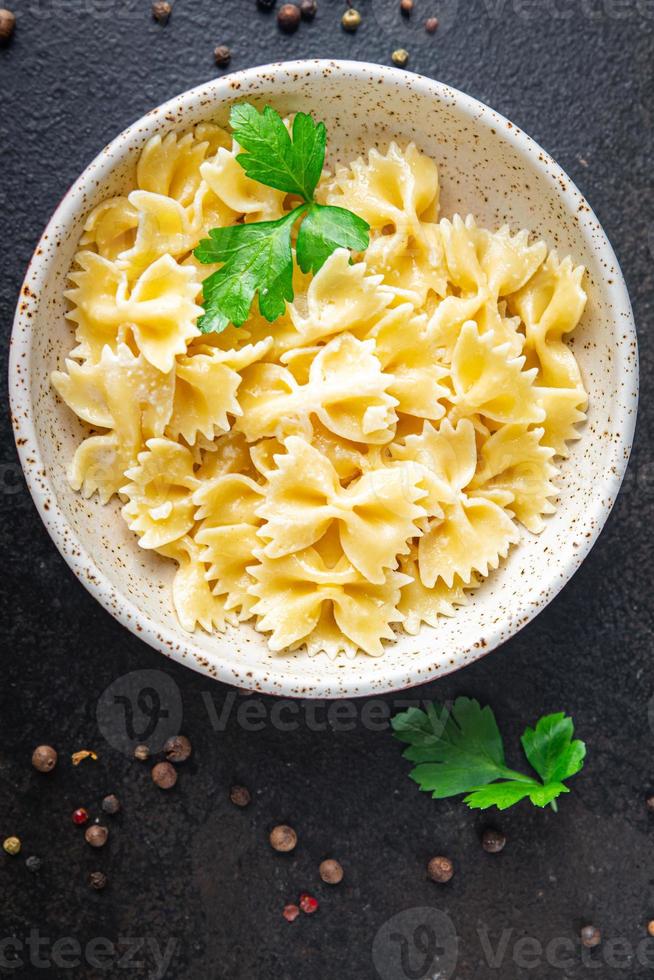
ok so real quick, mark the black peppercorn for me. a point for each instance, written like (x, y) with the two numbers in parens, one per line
(649, 803)
(96, 835)
(7, 24)
(161, 11)
(33, 864)
(493, 841)
(177, 749)
(111, 804)
(283, 838)
(239, 795)
(222, 55)
(288, 18)
(590, 936)
(164, 775)
(266, 4)
(44, 757)
(308, 9)
(97, 880)
(440, 869)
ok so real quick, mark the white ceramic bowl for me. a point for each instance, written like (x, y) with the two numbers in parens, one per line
(488, 167)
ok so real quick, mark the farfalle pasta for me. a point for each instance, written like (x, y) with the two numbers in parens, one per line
(363, 463)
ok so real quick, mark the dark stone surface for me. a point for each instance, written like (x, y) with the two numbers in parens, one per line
(188, 866)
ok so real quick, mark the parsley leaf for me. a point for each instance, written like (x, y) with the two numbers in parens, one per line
(274, 159)
(326, 228)
(551, 750)
(257, 258)
(460, 750)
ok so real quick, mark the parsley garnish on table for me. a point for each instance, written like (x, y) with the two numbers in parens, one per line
(257, 257)
(459, 749)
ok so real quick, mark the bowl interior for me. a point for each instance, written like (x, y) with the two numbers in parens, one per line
(487, 168)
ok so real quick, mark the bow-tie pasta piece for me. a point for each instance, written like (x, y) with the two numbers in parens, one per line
(481, 261)
(551, 305)
(225, 177)
(513, 459)
(227, 507)
(397, 194)
(159, 493)
(170, 165)
(420, 605)
(291, 592)
(194, 602)
(488, 381)
(564, 410)
(445, 458)
(162, 311)
(205, 390)
(110, 228)
(375, 515)
(124, 394)
(350, 391)
(341, 296)
(96, 284)
(164, 228)
(406, 352)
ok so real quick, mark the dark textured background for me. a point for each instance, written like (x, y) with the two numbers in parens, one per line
(188, 866)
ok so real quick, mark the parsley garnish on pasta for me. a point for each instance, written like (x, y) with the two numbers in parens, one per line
(257, 258)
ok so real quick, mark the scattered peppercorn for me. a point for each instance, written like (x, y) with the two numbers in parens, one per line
(351, 19)
(164, 775)
(161, 11)
(142, 753)
(431, 25)
(239, 795)
(649, 803)
(406, 6)
(650, 927)
(111, 804)
(493, 841)
(283, 838)
(80, 816)
(289, 18)
(96, 835)
(7, 24)
(440, 869)
(308, 903)
(44, 758)
(331, 872)
(400, 57)
(222, 55)
(266, 4)
(33, 864)
(11, 845)
(97, 880)
(308, 9)
(590, 936)
(291, 912)
(177, 749)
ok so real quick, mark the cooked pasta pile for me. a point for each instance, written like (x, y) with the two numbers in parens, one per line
(361, 463)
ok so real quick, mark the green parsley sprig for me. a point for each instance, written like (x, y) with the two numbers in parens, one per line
(257, 258)
(459, 749)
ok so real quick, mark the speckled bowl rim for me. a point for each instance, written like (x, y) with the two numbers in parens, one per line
(350, 683)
